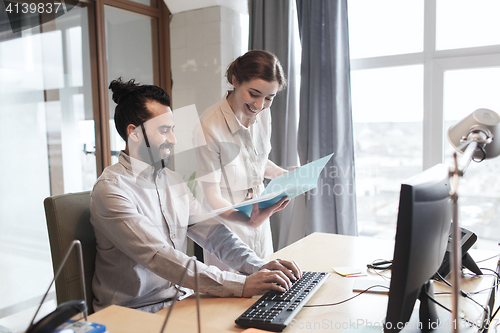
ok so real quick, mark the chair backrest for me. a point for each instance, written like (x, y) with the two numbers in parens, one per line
(68, 218)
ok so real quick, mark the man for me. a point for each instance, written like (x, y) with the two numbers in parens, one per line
(142, 212)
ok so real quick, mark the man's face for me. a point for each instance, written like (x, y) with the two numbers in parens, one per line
(159, 135)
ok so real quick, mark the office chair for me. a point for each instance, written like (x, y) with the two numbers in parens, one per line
(68, 218)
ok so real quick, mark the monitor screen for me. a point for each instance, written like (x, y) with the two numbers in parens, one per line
(422, 231)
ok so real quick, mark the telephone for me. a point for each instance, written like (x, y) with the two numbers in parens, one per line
(467, 239)
(61, 314)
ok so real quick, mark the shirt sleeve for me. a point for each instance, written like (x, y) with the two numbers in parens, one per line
(117, 217)
(218, 239)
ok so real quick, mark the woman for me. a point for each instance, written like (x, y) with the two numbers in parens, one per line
(237, 133)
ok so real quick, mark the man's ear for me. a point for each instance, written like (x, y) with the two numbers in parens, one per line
(132, 133)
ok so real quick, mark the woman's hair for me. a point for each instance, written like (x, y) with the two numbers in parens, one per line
(256, 64)
(131, 99)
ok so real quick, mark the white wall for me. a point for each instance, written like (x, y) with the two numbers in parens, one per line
(203, 43)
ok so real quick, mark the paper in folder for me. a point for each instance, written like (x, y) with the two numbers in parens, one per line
(289, 185)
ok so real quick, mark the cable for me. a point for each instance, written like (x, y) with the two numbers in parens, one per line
(472, 292)
(380, 264)
(496, 285)
(486, 259)
(346, 300)
(465, 294)
(443, 279)
(449, 310)
(493, 271)
(486, 309)
(385, 277)
(495, 274)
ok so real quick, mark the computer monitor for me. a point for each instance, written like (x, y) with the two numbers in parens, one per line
(423, 227)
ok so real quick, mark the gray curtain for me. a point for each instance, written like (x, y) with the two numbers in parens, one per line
(325, 114)
(325, 111)
(270, 30)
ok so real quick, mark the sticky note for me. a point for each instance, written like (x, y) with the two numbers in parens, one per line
(347, 271)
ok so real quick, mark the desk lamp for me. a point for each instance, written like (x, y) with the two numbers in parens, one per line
(477, 137)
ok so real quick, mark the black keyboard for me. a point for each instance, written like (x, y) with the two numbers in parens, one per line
(275, 310)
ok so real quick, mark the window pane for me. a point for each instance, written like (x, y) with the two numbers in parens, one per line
(479, 190)
(129, 50)
(387, 112)
(464, 23)
(385, 27)
(47, 125)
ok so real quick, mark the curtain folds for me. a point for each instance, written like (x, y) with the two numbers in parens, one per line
(325, 114)
(271, 30)
(325, 111)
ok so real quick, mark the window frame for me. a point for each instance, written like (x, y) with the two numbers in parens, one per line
(435, 64)
(161, 63)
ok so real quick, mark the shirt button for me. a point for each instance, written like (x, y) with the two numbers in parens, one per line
(172, 235)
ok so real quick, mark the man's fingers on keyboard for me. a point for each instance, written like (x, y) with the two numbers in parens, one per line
(275, 287)
(290, 268)
(278, 277)
(291, 265)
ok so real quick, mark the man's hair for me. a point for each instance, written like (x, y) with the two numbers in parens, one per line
(256, 64)
(131, 99)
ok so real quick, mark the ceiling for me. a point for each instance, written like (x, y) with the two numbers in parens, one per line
(177, 6)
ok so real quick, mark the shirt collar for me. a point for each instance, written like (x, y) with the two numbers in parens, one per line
(232, 122)
(137, 167)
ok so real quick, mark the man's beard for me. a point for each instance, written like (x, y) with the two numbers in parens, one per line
(153, 155)
(167, 159)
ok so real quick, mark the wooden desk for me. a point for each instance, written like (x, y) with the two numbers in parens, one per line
(316, 252)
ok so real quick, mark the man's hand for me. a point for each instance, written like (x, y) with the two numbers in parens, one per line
(259, 215)
(275, 275)
(290, 268)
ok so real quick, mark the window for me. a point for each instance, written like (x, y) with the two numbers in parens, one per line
(416, 68)
(54, 107)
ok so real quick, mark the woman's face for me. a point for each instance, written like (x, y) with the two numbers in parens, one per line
(251, 97)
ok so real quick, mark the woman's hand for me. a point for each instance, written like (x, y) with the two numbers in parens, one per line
(259, 215)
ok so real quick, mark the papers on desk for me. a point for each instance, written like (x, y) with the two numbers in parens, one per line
(289, 185)
(371, 286)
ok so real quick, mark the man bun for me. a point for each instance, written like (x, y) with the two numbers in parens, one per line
(132, 99)
(121, 89)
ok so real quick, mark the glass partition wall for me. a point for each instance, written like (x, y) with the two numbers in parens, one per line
(56, 115)
(47, 114)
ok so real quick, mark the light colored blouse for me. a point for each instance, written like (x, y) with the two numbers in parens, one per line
(236, 157)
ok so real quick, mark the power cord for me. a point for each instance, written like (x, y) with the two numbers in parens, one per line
(465, 294)
(449, 310)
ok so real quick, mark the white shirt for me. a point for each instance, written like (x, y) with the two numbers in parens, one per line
(236, 157)
(141, 220)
